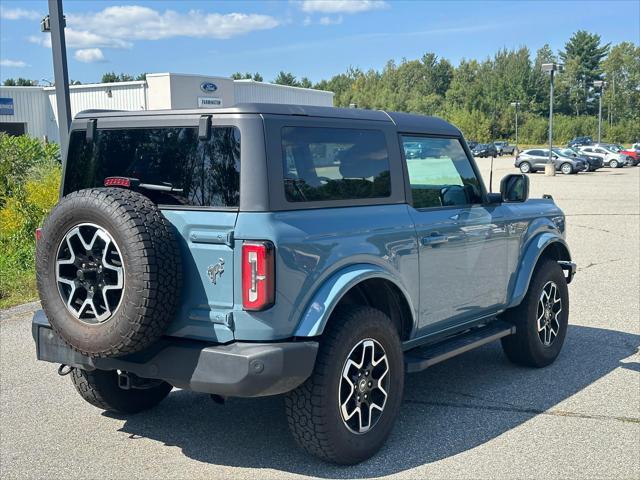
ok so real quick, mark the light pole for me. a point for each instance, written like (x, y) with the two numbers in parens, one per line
(516, 105)
(551, 68)
(55, 23)
(600, 84)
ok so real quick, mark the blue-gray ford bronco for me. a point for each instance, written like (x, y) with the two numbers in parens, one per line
(319, 253)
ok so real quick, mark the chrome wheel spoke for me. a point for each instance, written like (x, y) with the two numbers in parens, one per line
(548, 309)
(364, 386)
(90, 273)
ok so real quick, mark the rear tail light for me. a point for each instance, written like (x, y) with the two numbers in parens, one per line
(258, 275)
(38, 234)
(124, 182)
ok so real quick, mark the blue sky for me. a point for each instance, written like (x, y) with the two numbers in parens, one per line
(313, 38)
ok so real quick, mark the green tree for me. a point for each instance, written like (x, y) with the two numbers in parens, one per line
(621, 99)
(305, 83)
(113, 77)
(20, 82)
(582, 56)
(286, 78)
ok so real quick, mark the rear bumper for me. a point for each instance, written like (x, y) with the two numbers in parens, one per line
(238, 369)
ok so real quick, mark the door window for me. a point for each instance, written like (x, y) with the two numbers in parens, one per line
(440, 173)
(334, 164)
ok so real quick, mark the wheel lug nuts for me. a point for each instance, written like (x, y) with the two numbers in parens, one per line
(370, 384)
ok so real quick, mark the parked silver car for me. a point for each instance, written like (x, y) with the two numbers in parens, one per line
(610, 157)
(532, 160)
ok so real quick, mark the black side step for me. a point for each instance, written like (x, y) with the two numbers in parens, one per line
(423, 357)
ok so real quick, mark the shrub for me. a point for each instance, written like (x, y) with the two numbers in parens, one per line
(29, 184)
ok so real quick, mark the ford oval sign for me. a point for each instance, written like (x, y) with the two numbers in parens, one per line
(208, 87)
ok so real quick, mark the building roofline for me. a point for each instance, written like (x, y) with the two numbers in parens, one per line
(250, 80)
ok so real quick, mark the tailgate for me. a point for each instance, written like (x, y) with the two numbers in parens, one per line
(206, 247)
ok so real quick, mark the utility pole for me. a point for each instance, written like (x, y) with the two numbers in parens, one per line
(551, 68)
(55, 23)
(600, 84)
(516, 105)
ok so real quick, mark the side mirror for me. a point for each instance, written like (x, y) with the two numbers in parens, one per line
(514, 188)
(555, 157)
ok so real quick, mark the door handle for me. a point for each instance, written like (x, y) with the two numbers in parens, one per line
(434, 239)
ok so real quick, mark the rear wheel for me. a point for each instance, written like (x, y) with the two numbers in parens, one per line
(345, 411)
(525, 167)
(100, 388)
(541, 319)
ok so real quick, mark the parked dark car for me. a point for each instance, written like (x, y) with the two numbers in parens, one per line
(580, 141)
(504, 148)
(472, 144)
(535, 159)
(594, 162)
(485, 150)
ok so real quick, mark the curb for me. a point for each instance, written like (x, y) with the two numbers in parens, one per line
(20, 310)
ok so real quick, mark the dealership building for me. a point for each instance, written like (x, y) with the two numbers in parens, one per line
(32, 110)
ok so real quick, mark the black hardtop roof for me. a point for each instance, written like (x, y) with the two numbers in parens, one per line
(405, 122)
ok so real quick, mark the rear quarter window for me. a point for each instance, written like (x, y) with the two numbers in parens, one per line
(324, 164)
(177, 167)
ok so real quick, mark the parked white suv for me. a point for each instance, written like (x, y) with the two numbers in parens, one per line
(609, 157)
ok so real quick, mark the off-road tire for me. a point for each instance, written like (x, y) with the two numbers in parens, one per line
(525, 346)
(100, 388)
(152, 271)
(312, 409)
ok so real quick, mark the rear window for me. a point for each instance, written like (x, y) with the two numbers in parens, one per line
(323, 164)
(174, 165)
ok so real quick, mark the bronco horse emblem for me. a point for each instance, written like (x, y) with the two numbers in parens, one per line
(215, 270)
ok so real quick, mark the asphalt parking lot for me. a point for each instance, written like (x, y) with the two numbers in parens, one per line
(476, 416)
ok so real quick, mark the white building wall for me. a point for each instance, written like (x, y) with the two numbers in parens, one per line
(250, 91)
(36, 106)
(103, 96)
(30, 107)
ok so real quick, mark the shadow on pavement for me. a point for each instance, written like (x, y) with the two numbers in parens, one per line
(448, 409)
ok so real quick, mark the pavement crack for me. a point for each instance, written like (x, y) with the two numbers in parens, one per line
(595, 264)
(528, 411)
(596, 229)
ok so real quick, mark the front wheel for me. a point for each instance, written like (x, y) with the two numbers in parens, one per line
(345, 411)
(613, 164)
(566, 168)
(100, 388)
(525, 167)
(541, 319)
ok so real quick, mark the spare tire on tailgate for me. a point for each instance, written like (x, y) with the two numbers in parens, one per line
(108, 271)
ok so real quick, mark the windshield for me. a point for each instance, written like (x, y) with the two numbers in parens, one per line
(561, 153)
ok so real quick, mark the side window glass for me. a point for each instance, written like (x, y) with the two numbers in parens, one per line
(440, 173)
(323, 164)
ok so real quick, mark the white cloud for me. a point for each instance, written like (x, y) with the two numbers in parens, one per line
(134, 22)
(89, 55)
(13, 63)
(342, 6)
(81, 39)
(330, 20)
(18, 14)
(118, 27)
